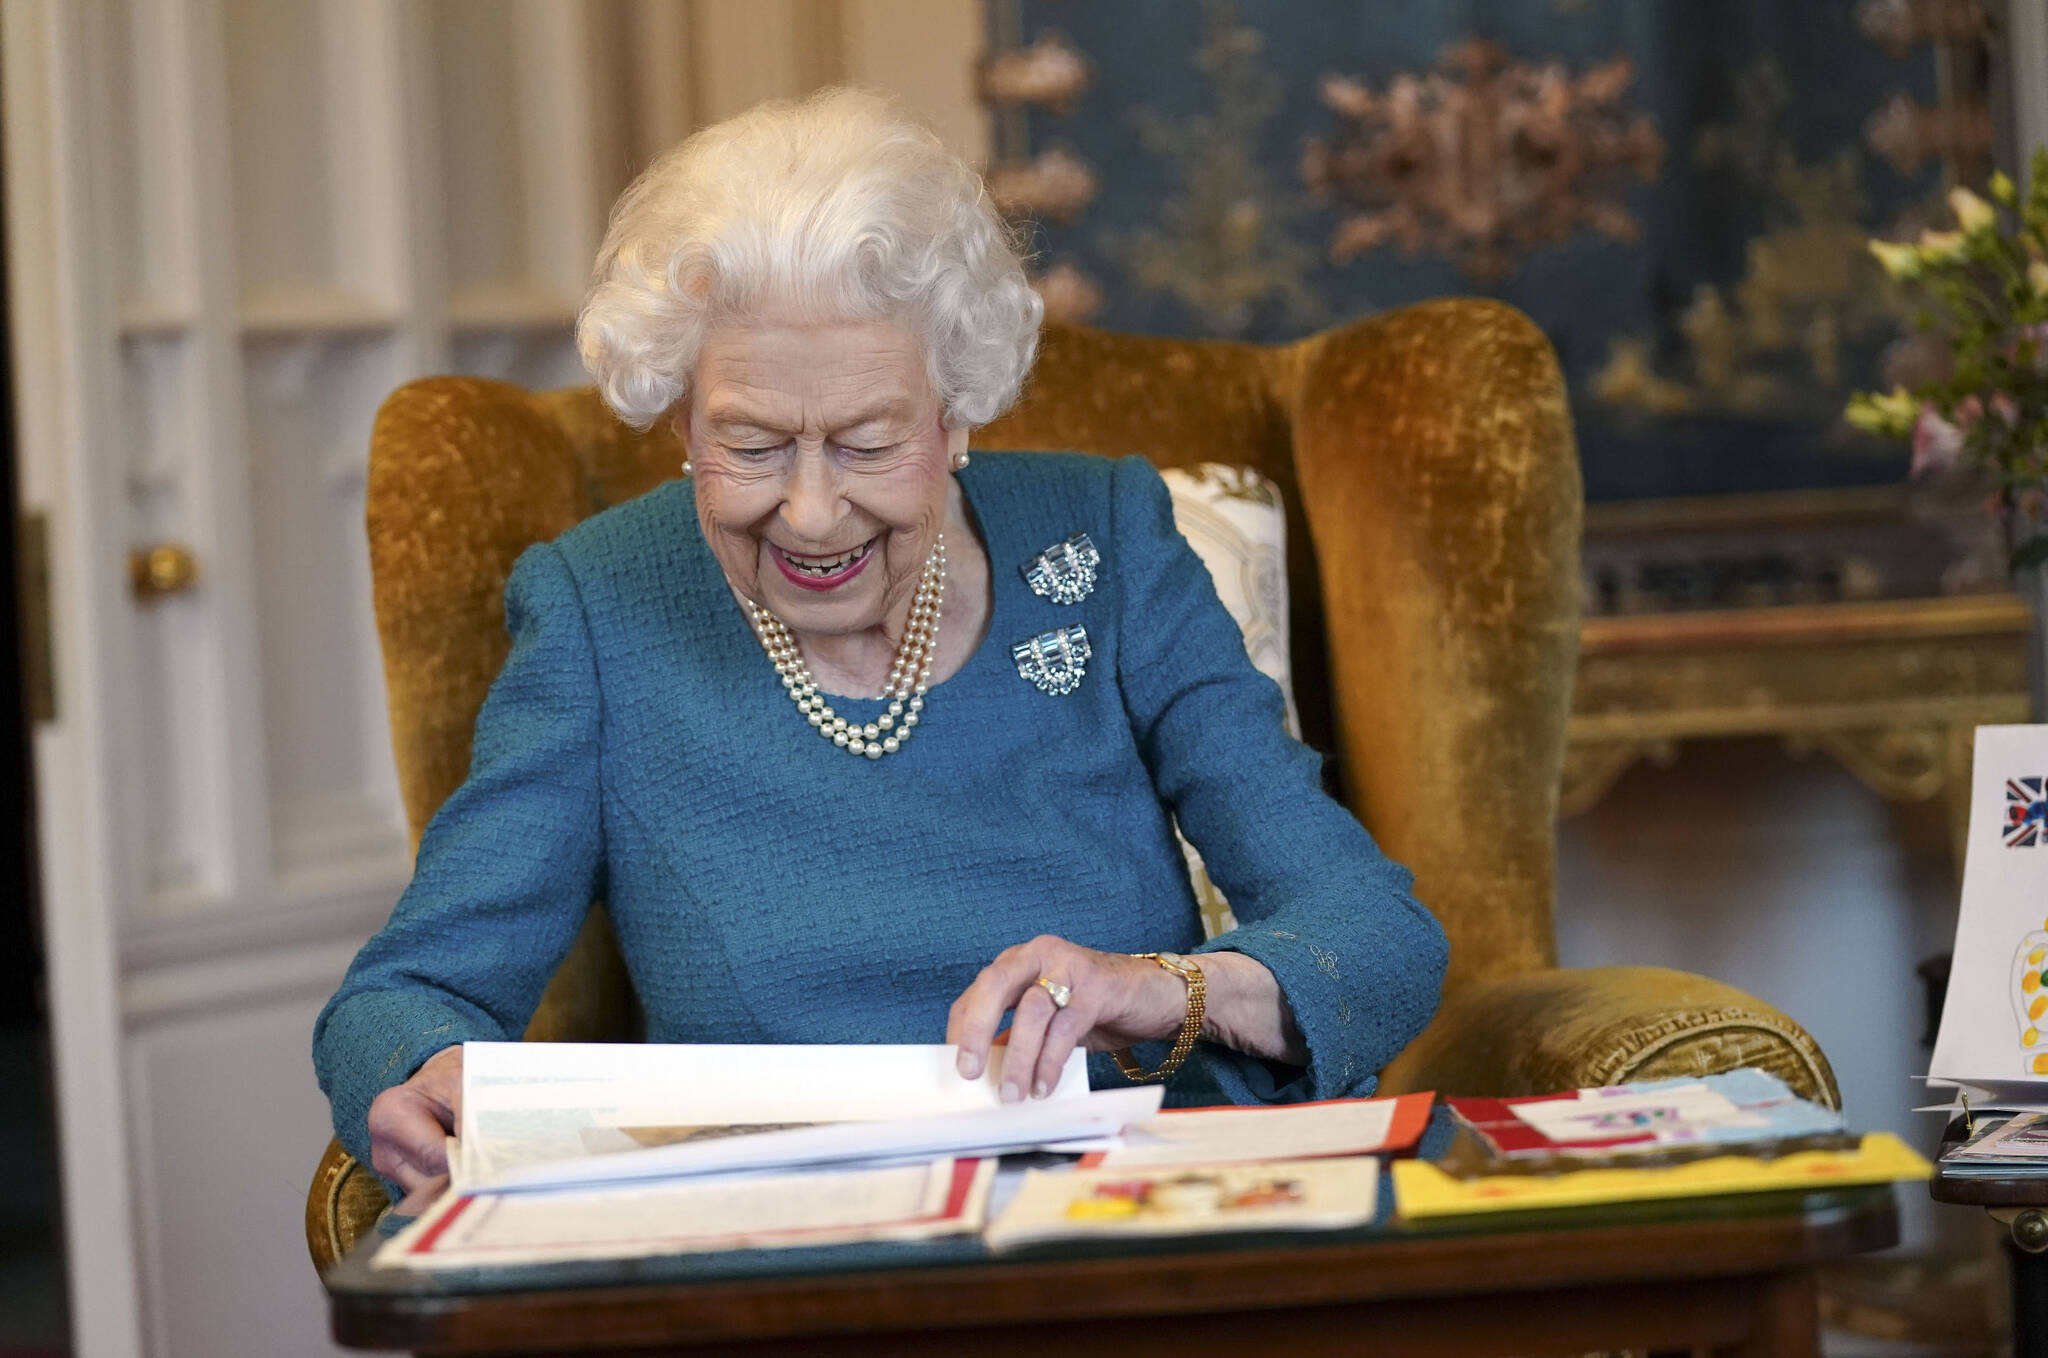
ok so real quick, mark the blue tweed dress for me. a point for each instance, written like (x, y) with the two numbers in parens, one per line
(767, 887)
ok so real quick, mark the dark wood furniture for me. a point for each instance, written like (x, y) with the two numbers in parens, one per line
(2018, 1201)
(1730, 1276)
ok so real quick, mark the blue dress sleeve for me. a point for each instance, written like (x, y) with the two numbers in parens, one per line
(506, 869)
(1360, 961)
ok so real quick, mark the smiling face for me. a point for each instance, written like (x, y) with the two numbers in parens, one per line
(822, 468)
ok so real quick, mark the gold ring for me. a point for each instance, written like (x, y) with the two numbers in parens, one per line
(1061, 995)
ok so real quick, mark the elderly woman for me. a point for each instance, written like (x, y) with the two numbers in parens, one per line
(858, 740)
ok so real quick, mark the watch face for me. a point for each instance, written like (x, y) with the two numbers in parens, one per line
(1173, 959)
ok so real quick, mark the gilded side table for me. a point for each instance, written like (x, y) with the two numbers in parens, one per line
(1893, 689)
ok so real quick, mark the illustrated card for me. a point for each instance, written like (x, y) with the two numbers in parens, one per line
(1994, 1022)
(1282, 1195)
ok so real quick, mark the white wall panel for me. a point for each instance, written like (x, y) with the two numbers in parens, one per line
(287, 232)
(228, 1124)
(151, 140)
(477, 133)
(310, 403)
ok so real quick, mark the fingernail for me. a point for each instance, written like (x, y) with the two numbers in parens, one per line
(1009, 1094)
(970, 1065)
(1039, 1091)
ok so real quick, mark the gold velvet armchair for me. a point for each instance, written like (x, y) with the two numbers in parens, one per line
(1433, 499)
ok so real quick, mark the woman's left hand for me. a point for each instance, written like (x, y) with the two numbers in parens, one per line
(1115, 1000)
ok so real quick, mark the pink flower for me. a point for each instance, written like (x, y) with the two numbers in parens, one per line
(1936, 443)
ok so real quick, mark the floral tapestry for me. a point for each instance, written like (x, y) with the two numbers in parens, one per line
(1679, 193)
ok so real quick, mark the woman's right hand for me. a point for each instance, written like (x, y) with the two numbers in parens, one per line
(409, 1129)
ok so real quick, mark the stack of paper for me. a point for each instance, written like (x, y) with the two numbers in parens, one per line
(2001, 1148)
(604, 1151)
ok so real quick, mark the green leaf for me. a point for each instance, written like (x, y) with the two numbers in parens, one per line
(2032, 552)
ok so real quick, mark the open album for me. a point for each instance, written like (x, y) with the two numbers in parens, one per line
(577, 1152)
(582, 1151)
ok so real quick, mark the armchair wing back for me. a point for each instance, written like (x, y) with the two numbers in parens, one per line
(1433, 504)
(1433, 500)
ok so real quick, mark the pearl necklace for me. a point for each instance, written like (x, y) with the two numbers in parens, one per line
(909, 677)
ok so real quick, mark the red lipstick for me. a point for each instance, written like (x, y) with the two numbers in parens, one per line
(805, 580)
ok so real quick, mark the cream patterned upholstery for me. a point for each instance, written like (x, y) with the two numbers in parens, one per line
(1236, 521)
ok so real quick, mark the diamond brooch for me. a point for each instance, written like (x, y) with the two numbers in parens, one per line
(1055, 661)
(1065, 571)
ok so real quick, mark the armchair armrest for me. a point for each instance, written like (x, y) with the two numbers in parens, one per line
(342, 1206)
(1541, 1031)
(590, 999)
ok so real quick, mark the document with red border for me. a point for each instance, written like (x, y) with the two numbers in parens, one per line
(754, 1211)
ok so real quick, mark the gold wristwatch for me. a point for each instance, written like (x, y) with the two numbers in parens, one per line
(1190, 1027)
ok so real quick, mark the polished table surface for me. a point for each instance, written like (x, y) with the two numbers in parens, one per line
(2017, 1198)
(1719, 1275)
(2020, 1186)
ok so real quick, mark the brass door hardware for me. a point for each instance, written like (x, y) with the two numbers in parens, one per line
(167, 568)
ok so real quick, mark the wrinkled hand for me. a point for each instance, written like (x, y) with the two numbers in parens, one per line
(409, 1127)
(1117, 1000)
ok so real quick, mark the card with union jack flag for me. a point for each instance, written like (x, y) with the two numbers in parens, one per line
(1994, 1022)
(2026, 812)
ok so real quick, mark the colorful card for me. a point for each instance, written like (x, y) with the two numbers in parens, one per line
(2020, 1139)
(1994, 1023)
(1289, 1131)
(1422, 1190)
(1106, 1204)
(1739, 1107)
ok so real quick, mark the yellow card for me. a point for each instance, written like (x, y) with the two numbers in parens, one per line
(1422, 1190)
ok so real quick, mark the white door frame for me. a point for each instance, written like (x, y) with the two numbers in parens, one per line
(52, 225)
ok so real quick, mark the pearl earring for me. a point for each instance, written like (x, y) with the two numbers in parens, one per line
(686, 466)
(960, 462)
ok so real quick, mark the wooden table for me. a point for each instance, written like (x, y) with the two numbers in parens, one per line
(2018, 1201)
(1730, 1276)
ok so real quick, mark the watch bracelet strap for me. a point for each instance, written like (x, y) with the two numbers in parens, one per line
(1190, 1026)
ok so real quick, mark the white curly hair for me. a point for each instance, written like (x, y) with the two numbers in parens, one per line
(834, 205)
